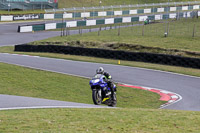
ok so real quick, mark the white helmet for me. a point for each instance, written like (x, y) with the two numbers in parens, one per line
(100, 70)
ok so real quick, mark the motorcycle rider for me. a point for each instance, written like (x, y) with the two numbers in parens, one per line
(100, 70)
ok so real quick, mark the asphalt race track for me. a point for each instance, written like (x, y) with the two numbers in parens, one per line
(186, 86)
(10, 36)
(20, 102)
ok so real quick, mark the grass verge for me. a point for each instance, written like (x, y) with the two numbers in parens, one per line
(131, 118)
(180, 37)
(86, 3)
(100, 120)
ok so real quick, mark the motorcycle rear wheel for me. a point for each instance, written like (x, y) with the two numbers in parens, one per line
(97, 99)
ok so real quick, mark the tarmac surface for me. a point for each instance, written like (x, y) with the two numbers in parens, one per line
(186, 86)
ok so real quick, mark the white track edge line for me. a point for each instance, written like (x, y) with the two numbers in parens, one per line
(180, 98)
(46, 107)
(148, 69)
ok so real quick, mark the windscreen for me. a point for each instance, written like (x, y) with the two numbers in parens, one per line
(98, 76)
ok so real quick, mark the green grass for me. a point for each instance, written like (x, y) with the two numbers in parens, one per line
(136, 114)
(100, 120)
(180, 36)
(179, 42)
(57, 86)
(43, 84)
(86, 3)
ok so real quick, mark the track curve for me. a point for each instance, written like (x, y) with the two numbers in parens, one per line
(187, 86)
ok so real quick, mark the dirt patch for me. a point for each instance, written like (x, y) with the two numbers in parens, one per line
(126, 47)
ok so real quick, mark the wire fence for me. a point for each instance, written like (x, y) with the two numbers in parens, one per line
(27, 4)
(184, 27)
(181, 27)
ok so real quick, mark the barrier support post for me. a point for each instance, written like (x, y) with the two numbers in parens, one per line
(193, 34)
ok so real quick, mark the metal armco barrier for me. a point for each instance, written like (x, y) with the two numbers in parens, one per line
(70, 24)
(103, 13)
(122, 55)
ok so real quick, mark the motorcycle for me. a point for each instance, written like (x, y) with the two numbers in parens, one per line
(101, 93)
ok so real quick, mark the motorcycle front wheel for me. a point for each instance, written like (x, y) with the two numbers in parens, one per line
(114, 101)
(96, 96)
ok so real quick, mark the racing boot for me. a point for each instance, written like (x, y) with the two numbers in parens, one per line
(112, 96)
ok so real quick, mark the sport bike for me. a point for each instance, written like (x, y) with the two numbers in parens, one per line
(101, 93)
